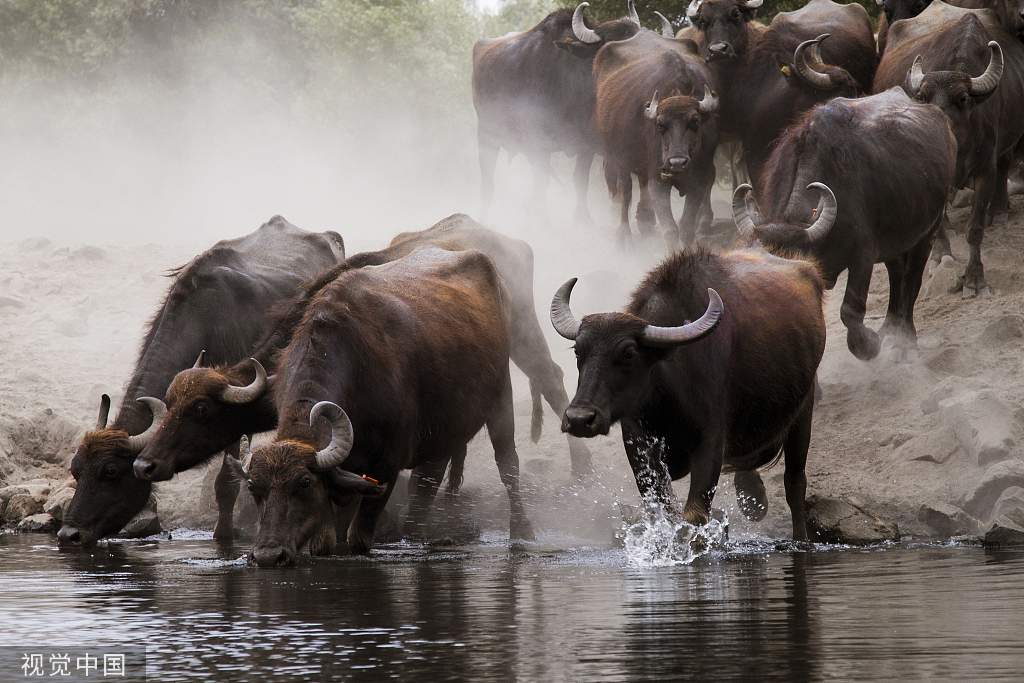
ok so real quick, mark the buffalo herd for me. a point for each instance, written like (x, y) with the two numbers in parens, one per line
(394, 359)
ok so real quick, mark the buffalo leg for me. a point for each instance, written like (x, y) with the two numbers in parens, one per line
(661, 192)
(974, 277)
(364, 523)
(941, 247)
(488, 160)
(645, 211)
(423, 484)
(698, 194)
(751, 494)
(581, 179)
(862, 342)
(624, 234)
(225, 492)
(501, 428)
(644, 453)
(1000, 210)
(705, 469)
(797, 442)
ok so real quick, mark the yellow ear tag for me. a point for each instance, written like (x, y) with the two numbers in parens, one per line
(786, 70)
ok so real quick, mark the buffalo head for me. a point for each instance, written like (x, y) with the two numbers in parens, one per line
(205, 413)
(722, 26)
(293, 485)
(615, 353)
(585, 41)
(784, 234)
(107, 494)
(678, 122)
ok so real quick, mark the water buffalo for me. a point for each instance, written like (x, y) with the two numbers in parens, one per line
(1010, 13)
(532, 96)
(216, 303)
(415, 353)
(199, 422)
(769, 75)
(944, 57)
(728, 390)
(890, 161)
(668, 142)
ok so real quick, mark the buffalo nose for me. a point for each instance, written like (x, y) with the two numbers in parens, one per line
(719, 48)
(271, 556)
(144, 469)
(69, 535)
(576, 416)
(677, 163)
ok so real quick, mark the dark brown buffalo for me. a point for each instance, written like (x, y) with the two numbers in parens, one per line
(890, 161)
(765, 80)
(533, 98)
(216, 303)
(1010, 13)
(728, 390)
(656, 115)
(980, 88)
(416, 353)
(199, 422)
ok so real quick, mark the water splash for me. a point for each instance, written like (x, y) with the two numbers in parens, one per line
(657, 541)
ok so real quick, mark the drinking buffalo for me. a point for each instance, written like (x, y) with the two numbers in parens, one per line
(217, 302)
(667, 142)
(728, 390)
(415, 353)
(965, 63)
(890, 161)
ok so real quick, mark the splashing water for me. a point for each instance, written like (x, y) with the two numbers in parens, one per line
(657, 541)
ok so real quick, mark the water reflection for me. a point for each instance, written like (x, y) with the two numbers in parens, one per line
(528, 613)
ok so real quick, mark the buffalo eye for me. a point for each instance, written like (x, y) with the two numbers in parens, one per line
(110, 470)
(963, 99)
(662, 128)
(736, 13)
(306, 481)
(628, 354)
(200, 409)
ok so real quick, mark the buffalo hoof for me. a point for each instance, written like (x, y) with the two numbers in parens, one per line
(1000, 218)
(974, 287)
(751, 495)
(521, 530)
(863, 343)
(224, 532)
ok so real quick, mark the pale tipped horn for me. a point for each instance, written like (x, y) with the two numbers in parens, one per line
(754, 4)
(807, 74)
(244, 454)
(708, 105)
(986, 82)
(652, 109)
(138, 442)
(691, 332)
(916, 76)
(199, 361)
(101, 421)
(740, 213)
(250, 393)
(879, 2)
(633, 16)
(691, 11)
(666, 26)
(826, 212)
(341, 435)
(561, 317)
(580, 30)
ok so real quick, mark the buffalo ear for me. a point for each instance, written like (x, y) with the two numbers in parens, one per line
(978, 99)
(236, 468)
(574, 47)
(675, 93)
(785, 68)
(343, 482)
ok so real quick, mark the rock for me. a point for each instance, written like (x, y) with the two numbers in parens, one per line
(952, 360)
(88, 254)
(146, 523)
(943, 390)
(11, 301)
(948, 520)
(1010, 500)
(34, 244)
(997, 479)
(836, 521)
(943, 279)
(937, 446)
(1006, 531)
(57, 504)
(38, 491)
(1002, 330)
(39, 524)
(22, 505)
(987, 426)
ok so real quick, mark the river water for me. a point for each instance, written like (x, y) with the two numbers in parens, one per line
(544, 611)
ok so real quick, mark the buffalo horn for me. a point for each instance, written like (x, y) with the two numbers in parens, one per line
(583, 34)
(803, 69)
(138, 442)
(691, 11)
(101, 421)
(691, 332)
(826, 213)
(986, 82)
(708, 105)
(740, 214)
(754, 4)
(341, 435)
(250, 393)
(244, 453)
(199, 361)
(916, 76)
(633, 16)
(879, 2)
(652, 109)
(666, 26)
(561, 317)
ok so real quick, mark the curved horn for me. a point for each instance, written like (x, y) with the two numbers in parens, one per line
(244, 453)
(652, 109)
(633, 16)
(691, 11)
(826, 212)
(561, 317)
(687, 334)
(916, 76)
(583, 34)
(138, 442)
(986, 82)
(341, 435)
(101, 421)
(807, 74)
(740, 214)
(250, 393)
(708, 105)
(666, 26)
(199, 361)
(754, 4)
(879, 2)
